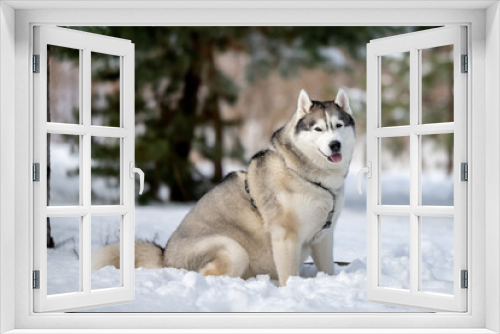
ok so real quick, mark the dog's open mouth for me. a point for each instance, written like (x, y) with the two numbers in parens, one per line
(337, 157)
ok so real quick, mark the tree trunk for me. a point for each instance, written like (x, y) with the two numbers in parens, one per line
(188, 104)
(219, 145)
(213, 111)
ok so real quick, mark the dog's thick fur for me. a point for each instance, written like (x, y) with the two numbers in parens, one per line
(269, 219)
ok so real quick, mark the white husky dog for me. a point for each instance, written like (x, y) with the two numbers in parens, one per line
(269, 219)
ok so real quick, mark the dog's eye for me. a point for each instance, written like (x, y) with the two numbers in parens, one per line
(339, 125)
(318, 129)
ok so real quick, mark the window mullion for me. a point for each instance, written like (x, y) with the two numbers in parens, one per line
(414, 172)
(85, 90)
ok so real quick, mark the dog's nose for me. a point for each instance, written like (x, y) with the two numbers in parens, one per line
(335, 146)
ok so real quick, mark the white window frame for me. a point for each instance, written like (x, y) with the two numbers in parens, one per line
(85, 43)
(483, 21)
(413, 43)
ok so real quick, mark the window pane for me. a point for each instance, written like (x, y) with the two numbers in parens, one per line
(105, 89)
(63, 84)
(63, 260)
(105, 233)
(395, 89)
(395, 252)
(63, 169)
(437, 84)
(395, 171)
(437, 254)
(437, 169)
(105, 170)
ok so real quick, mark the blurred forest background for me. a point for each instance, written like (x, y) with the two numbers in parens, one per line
(208, 98)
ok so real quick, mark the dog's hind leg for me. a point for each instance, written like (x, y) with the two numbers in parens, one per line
(227, 257)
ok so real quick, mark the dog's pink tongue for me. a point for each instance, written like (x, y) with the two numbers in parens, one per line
(337, 157)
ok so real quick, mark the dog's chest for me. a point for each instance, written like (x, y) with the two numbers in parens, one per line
(313, 207)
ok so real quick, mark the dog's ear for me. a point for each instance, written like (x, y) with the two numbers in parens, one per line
(304, 104)
(343, 101)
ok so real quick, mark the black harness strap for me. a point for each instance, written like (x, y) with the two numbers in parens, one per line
(328, 223)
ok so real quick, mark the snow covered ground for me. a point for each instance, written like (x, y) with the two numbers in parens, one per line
(175, 290)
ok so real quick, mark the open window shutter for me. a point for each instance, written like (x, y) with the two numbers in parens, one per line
(53, 290)
(411, 49)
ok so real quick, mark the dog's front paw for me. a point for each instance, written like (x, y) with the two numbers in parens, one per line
(283, 281)
(328, 270)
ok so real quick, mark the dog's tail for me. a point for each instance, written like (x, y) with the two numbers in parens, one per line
(147, 255)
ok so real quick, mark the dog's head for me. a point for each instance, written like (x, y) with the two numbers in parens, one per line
(324, 130)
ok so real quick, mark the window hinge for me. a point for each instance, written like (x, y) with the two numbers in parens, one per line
(464, 279)
(36, 63)
(36, 279)
(465, 64)
(464, 168)
(36, 172)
